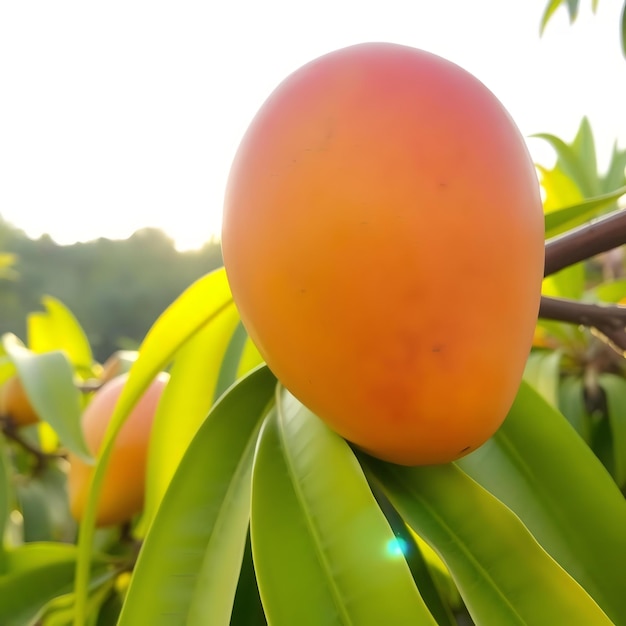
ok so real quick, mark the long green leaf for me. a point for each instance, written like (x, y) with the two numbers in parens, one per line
(323, 550)
(615, 390)
(58, 329)
(36, 573)
(189, 566)
(623, 29)
(48, 381)
(585, 147)
(543, 370)
(572, 405)
(551, 7)
(197, 306)
(558, 221)
(616, 175)
(407, 545)
(185, 404)
(503, 574)
(570, 162)
(538, 466)
(247, 608)
(6, 499)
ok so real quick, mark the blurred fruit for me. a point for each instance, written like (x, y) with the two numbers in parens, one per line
(118, 363)
(383, 236)
(122, 493)
(15, 405)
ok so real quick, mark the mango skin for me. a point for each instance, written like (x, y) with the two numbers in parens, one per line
(383, 237)
(15, 405)
(123, 491)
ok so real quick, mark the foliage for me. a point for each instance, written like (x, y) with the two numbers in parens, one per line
(116, 288)
(256, 512)
(572, 10)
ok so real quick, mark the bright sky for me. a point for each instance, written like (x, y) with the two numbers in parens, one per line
(124, 114)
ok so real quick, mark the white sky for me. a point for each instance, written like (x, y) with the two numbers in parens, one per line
(123, 114)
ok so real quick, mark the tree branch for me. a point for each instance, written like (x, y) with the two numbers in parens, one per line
(586, 241)
(577, 245)
(609, 320)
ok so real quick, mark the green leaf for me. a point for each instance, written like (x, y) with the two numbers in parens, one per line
(323, 550)
(247, 608)
(189, 393)
(543, 372)
(623, 29)
(6, 499)
(36, 573)
(197, 306)
(231, 359)
(563, 219)
(572, 405)
(503, 574)
(538, 466)
(189, 565)
(552, 6)
(615, 176)
(584, 146)
(407, 545)
(559, 189)
(611, 291)
(569, 161)
(250, 358)
(572, 7)
(48, 381)
(58, 329)
(568, 283)
(60, 610)
(615, 391)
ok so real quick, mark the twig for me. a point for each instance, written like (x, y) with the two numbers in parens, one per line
(586, 241)
(10, 431)
(609, 320)
(577, 245)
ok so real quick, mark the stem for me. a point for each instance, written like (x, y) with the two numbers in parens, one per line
(609, 320)
(577, 245)
(586, 241)
(11, 431)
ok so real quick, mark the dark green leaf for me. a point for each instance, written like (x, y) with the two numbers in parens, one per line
(247, 608)
(189, 565)
(615, 176)
(572, 405)
(623, 29)
(615, 391)
(36, 573)
(323, 550)
(408, 546)
(584, 146)
(538, 466)
(6, 499)
(543, 372)
(230, 362)
(503, 574)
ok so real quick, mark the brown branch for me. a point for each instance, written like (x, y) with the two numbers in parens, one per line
(608, 320)
(577, 245)
(11, 431)
(586, 241)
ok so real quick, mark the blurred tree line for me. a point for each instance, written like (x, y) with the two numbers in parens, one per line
(116, 288)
